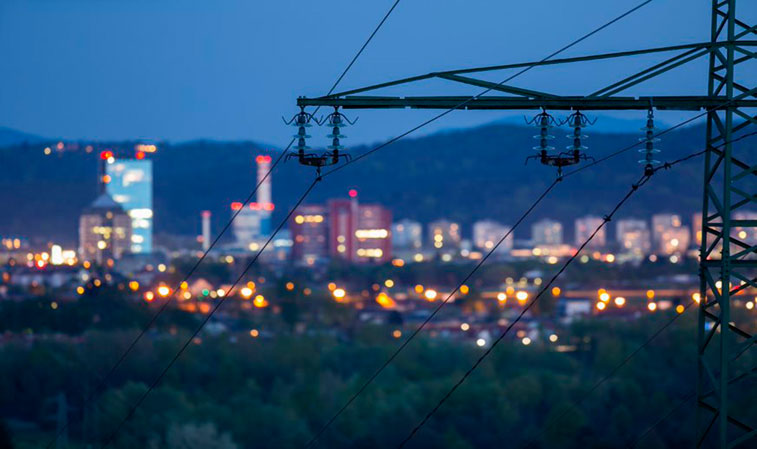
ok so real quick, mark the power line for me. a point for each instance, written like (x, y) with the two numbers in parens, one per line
(428, 319)
(528, 306)
(365, 44)
(489, 89)
(209, 316)
(104, 379)
(634, 188)
(249, 198)
(607, 377)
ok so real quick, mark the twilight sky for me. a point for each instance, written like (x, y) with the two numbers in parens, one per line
(228, 69)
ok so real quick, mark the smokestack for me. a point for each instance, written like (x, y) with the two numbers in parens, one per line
(205, 230)
(264, 191)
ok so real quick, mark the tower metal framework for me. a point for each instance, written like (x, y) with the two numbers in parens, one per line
(728, 262)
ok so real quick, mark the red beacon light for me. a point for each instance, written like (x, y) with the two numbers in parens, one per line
(236, 205)
(104, 155)
(260, 159)
(140, 155)
(352, 193)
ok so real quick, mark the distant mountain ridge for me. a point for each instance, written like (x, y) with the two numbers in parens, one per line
(464, 175)
(11, 137)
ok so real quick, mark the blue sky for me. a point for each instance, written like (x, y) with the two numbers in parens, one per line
(228, 69)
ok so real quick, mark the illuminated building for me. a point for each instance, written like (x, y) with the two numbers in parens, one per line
(253, 222)
(585, 227)
(407, 235)
(633, 236)
(359, 233)
(104, 231)
(487, 233)
(546, 232)
(309, 229)
(129, 183)
(744, 234)
(444, 235)
(696, 228)
(373, 234)
(669, 236)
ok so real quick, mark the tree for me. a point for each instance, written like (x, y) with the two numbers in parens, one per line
(197, 436)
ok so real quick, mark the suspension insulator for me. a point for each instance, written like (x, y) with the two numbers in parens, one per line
(336, 121)
(577, 121)
(649, 140)
(301, 121)
(544, 122)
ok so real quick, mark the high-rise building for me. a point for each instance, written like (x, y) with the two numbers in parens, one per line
(633, 236)
(253, 222)
(359, 232)
(343, 218)
(444, 235)
(661, 223)
(309, 229)
(373, 234)
(585, 227)
(104, 231)
(129, 183)
(407, 235)
(487, 233)
(669, 236)
(546, 232)
(696, 228)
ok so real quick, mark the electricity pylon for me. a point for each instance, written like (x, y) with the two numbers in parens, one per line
(728, 261)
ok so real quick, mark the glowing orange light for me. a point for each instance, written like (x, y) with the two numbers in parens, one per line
(556, 291)
(419, 289)
(464, 289)
(254, 333)
(332, 286)
(290, 286)
(385, 301)
(134, 286)
(260, 302)
(140, 155)
(680, 308)
(149, 296)
(236, 205)
(650, 294)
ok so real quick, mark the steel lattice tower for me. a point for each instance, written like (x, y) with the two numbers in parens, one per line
(728, 262)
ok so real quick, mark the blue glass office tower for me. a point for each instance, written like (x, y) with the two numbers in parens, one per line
(130, 184)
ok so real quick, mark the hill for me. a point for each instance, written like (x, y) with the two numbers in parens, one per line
(11, 137)
(464, 175)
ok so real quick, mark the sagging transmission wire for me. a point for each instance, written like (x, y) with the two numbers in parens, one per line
(104, 379)
(634, 188)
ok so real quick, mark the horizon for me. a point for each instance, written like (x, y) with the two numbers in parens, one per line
(100, 72)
